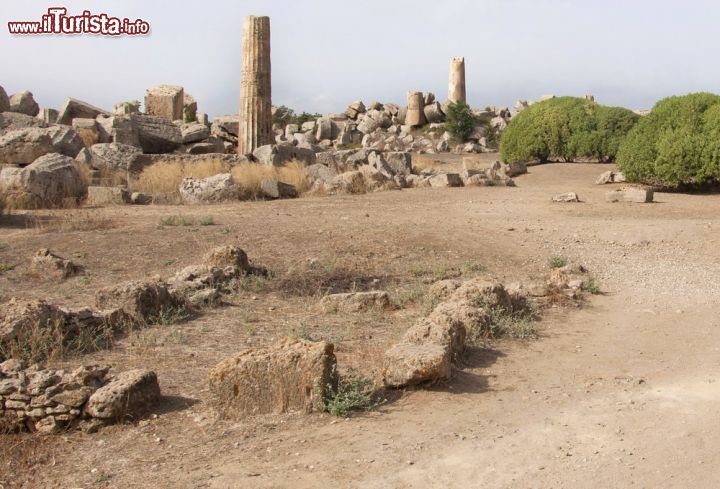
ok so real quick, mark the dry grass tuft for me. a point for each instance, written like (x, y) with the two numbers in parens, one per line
(84, 171)
(250, 175)
(165, 177)
(69, 221)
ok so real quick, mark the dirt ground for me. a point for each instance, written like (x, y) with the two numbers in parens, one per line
(622, 392)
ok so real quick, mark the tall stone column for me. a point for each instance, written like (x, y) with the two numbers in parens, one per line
(255, 86)
(456, 88)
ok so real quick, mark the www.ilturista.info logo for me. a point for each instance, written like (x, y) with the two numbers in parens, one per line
(56, 21)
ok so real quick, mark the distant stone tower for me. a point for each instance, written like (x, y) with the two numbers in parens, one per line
(456, 88)
(255, 86)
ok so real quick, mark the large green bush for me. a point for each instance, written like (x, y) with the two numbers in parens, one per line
(460, 120)
(677, 144)
(566, 128)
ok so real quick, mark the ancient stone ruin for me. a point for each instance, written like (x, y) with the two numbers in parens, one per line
(255, 86)
(456, 88)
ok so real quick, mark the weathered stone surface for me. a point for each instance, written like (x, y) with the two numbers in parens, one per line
(273, 189)
(293, 375)
(355, 301)
(227, 256)
(165, 101)
(321, 173)
(50, 181)
(610, 177)
(24, 103)
(74, 108)
(194, 132)
(446, 180)
(87, 129)
(10, 121)
(139, 198)
(229, 124)
(415, 115)
(631, 194)
(217, 188)
(567, 197)
(125, 108)
(143, 301)
(434, 113)
(156, 134)
(116, 157)
(447, 325)
(410, 364)
(65, 140)
(118, 129)
(255, 86)
(47, 264)
(400, 162)
(277, 154)
(100, 196)
(23, 146)
(456, 84)
(4, 100)
(129, 396)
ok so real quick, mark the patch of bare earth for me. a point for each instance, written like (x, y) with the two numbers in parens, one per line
(622, 392)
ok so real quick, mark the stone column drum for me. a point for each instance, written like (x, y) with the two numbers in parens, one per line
(456, 88)
(255, 86)
(415, 109)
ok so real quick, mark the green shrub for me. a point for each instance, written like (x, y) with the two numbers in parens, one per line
(677, 144)
(566, 128)
(285, 115)
(460, 121)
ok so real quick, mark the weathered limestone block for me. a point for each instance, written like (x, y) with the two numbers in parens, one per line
(446, 180)
(101, 196)
(355, 301)
(293, 375)
(143, 301)
(273, 189)
(165, 101)
(631, 194)
(23, 146)
(24, 103)
(410, 364)
(217, 188)
(74, 108)
(156, 134)
(4, 100)
(434, 113)
(50, 181)
(130, 395)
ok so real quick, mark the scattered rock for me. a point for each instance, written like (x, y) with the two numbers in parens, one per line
(74, 108)
(272, 189)
(446, 180)
(4, 100)
(50, 181)
(156, 134)
(568, 197)
(47, 263)
(130, 395)
(227, 256)
(610, 177)
(165, 101)
(23, 146)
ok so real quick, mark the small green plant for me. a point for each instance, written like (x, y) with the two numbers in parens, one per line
(103, 477)
(5, 267)
(189, 115)
(557, 262)
(177, 221)
(207, 221)
(591, 286)
(499, 322)
(250, 331)
(227, 230)
(354, 394)
(460, 120)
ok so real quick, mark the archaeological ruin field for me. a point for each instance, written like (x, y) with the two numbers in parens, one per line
(409, 294)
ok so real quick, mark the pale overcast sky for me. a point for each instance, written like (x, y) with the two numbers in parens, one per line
(326, 54)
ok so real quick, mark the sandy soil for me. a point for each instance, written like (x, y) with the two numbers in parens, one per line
(622, 392)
